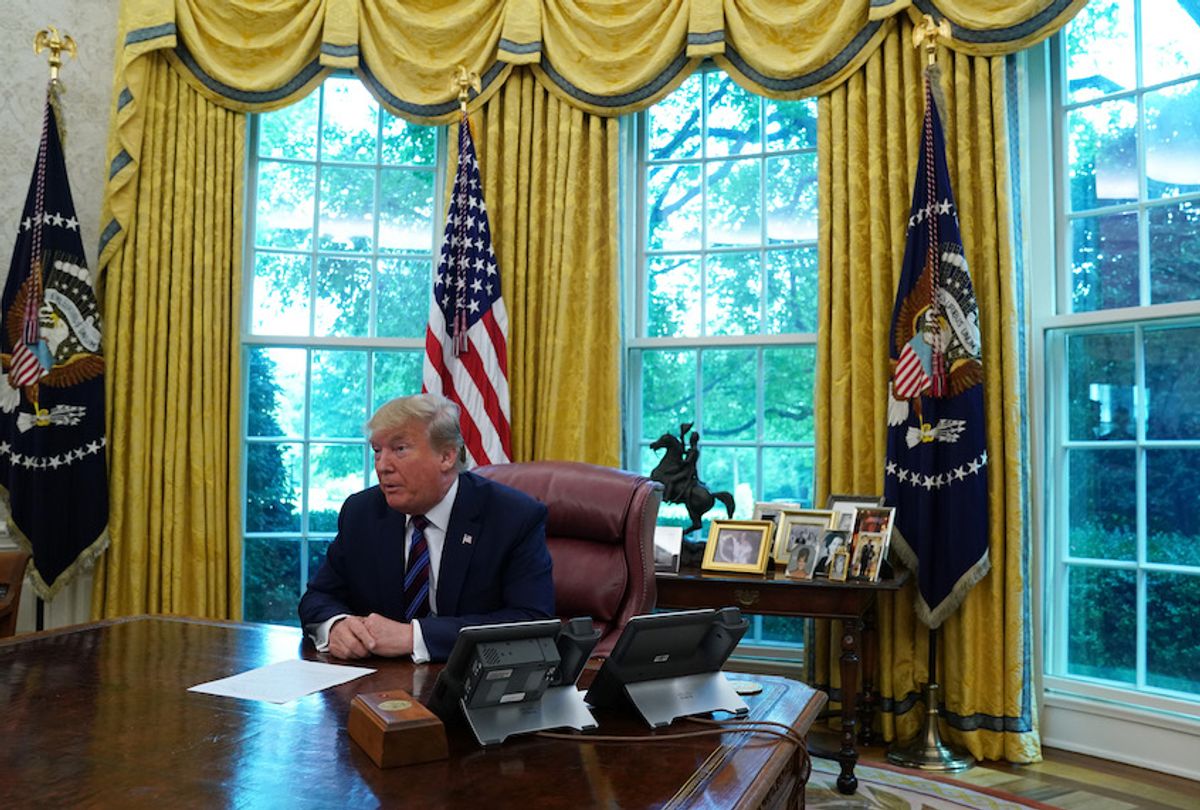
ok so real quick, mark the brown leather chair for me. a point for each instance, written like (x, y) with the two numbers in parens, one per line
(600, 530)
(12, 575)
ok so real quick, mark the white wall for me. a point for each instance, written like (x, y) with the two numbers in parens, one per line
(88, 81)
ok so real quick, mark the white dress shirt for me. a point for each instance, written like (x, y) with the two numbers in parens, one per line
(435, 539)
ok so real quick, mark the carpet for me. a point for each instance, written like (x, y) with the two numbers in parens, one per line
(900, 789)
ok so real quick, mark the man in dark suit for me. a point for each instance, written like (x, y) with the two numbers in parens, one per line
(428, 550)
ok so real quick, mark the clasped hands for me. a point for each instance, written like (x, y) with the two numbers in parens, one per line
(359, 637)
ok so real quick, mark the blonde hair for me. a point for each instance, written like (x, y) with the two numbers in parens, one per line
(438, 414)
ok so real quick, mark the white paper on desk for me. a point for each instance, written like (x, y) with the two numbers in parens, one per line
(279, 683)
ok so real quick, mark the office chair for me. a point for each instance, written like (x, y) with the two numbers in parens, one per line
(12, 574)
(600, 531)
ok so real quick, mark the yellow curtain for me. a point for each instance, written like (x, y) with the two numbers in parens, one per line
(170, 295)
(874, 120)
(551, 188)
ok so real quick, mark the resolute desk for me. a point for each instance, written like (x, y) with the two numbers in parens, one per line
(99, 715)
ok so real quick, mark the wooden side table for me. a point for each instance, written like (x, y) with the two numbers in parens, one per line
(777, 595)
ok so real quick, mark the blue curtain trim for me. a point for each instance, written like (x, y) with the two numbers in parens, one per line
(994, 35)
(508, 46)
(298, 81)
(797, 83)
(612, 102)
(119, 162)
(153, 32)
(124, 98)
(111, 230)
(707, 38)
(339, 50)
(426, 110)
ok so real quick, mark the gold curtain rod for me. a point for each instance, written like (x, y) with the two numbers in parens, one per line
(49, 39)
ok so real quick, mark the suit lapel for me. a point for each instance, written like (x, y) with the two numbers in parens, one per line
(461, 536)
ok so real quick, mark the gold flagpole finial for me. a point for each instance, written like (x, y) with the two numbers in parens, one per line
(465, 81)
(927, 33)
(48, 38)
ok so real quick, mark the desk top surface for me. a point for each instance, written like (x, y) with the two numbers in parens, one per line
(100, 715)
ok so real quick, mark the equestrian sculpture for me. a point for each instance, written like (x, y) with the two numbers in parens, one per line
(676, 471)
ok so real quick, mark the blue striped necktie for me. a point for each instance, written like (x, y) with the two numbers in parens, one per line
(416, 573)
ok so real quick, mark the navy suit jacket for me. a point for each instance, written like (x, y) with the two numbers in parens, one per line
(495, 566)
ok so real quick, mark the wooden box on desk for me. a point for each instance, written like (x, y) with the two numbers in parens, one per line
(394, 729)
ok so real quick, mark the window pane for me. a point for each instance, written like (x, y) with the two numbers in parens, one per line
(271, 580)
(1172, 616)
(408, 144)
(1104, 262)
(673, 206)
(674, 123)
(275, 392)
(788, 474)
(1100, 385)
(734, 294)
(792, 198)
(668, 391)
(1172, 498)
(347, 200)
(1173, 140)
(1100, 51)
(1102, 624)
(335, 472)
(791, 124)
(1170, 32)
(673, 305)
(272, 484)
(733, 118)
(350, 122)
(732, 470)
(784, 630)
(1103, 150)
(290, 132)
(788, 393)
(792, 290)
(1103, 504)
(734, 203)
(339, 394)
(1174, 259)
(1172, 398)
(280, 297)
(283, 216)
(343, 297)
(316, 555)
(730, 400)
(406, 210)
(404, 288)
(397, 374)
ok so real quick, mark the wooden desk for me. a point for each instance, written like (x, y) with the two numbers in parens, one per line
(777, 595)
(99, 716)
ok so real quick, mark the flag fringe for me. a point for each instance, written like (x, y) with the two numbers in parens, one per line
(933, 618)
(83, 562)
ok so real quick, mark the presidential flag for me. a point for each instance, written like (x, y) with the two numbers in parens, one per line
(936, 473)
(53, 466)
(466, 341)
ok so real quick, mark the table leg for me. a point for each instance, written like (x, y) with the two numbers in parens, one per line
(866, 708)
(847, 782)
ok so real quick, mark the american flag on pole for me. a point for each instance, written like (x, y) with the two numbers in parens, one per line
(53, 467)
(936, 473)
(466, 341)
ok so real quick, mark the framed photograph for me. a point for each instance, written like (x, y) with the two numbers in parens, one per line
(667, 542)
(743, 546)
(874, 519)
(797, 526)
(802, 563)
(839, 565)
(844, 505)
(831, 541)
(869, 551)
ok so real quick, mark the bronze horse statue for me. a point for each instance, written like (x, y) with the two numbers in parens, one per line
(676, 471)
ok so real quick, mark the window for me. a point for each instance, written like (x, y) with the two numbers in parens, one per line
(1123, 389)
(340, 262)
(723, 300)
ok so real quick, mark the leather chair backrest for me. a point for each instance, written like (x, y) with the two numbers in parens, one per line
(12, 575)
(600, 532)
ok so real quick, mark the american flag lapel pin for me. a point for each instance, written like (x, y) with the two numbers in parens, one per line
(467, 539)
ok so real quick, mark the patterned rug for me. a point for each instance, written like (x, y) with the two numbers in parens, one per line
(901, 789)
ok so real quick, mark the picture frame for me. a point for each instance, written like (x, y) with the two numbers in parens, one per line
(668, 540)
(802, 562)
(839, 565)
(869, 550)
(874, 519)
(773, 511)
(844, 506)
(742, 546)
(799, 525)
(831, 541)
